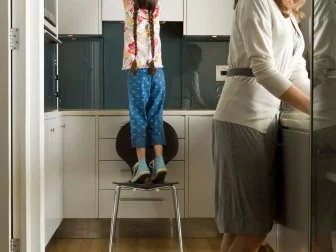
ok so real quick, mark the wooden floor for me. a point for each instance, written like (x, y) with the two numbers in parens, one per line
(135, 245)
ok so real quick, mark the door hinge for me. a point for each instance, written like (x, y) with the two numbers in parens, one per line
(15, 245)
(14, 39)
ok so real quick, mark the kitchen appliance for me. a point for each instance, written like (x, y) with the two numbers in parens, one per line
(51, 43)
(50, 15)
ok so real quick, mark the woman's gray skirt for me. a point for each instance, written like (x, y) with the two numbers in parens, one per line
(244, 178)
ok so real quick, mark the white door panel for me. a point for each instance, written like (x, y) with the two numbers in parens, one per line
(5, 127)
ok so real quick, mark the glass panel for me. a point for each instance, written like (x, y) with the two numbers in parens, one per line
(50, 100)
(115, 80)
(324, 126)
(91, 73)
(81, 73)
(200, 90)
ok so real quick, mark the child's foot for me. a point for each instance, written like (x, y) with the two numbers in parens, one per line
(140, 172)
(159, 171)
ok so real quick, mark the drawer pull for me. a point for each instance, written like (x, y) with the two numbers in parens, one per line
(128, 170)
(143, 199)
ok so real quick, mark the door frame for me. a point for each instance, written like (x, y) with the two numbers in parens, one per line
(28, 125)
(5, 127)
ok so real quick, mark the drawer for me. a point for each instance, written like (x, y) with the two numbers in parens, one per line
(109, 126)
(180, 153)
(177, 122)
(112, 171)
(107, 150)
(140, 204)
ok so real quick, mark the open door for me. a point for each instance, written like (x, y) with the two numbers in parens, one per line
(27, 94)
(5, 127)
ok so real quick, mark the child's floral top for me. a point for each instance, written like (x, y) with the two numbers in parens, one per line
(144, 56)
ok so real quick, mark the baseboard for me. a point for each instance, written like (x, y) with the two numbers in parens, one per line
(100, 228)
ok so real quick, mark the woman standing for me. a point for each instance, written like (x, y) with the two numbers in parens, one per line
(266, 67)
(146, 84)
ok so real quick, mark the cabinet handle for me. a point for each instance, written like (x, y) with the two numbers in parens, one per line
(326, 151)
(52, 129)
(143, 199)
(63, 126)
(125, 170)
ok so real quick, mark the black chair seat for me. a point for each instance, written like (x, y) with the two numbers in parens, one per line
(145, 186)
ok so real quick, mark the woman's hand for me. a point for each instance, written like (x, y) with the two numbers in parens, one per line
(296, 98)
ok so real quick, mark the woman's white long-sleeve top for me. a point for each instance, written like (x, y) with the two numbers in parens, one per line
(262, 39)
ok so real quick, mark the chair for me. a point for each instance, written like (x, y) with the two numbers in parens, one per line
(128, 154)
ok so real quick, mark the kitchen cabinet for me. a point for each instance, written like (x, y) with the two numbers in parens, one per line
(207, 18)
(80, 189)
(80, 17)
(113, 10)
(293, 202)
(54, 129)
(201, 170)
(171, 10)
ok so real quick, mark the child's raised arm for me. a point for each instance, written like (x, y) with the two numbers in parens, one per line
(126, 2)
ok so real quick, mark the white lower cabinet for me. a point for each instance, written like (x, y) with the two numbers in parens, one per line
(140, 204)
(91, 164)
(201, 171)
(80, 167)
(53, 176)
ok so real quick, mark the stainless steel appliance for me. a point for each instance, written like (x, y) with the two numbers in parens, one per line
(50, 15)
(50, 71)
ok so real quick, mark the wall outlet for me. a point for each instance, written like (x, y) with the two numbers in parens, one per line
(221, 72)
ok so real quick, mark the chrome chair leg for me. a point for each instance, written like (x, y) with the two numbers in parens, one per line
(114, 218)
(178, 217)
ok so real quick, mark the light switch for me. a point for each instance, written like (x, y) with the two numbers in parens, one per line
(221, 72)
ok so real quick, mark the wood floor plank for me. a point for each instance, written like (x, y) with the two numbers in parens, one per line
(135, 245)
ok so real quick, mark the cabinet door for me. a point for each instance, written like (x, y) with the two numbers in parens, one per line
(47, 180)
(209, 17)
(58, 154)
(201, 171)
(294, 203)
(80, 17)
(171, 10)
(79, 167)
(53, 176)
(113, 10)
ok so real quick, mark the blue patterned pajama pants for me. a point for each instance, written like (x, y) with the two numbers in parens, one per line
(146, 95)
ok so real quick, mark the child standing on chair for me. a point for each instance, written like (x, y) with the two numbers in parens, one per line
(146, 85)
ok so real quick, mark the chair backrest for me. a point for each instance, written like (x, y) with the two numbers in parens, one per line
(128, 154)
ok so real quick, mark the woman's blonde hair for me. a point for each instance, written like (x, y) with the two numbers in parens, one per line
(297, 10)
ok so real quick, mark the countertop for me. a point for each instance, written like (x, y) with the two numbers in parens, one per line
(293, 120)
(121, 112)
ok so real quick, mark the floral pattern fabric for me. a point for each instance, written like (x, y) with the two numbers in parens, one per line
(144, 56)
